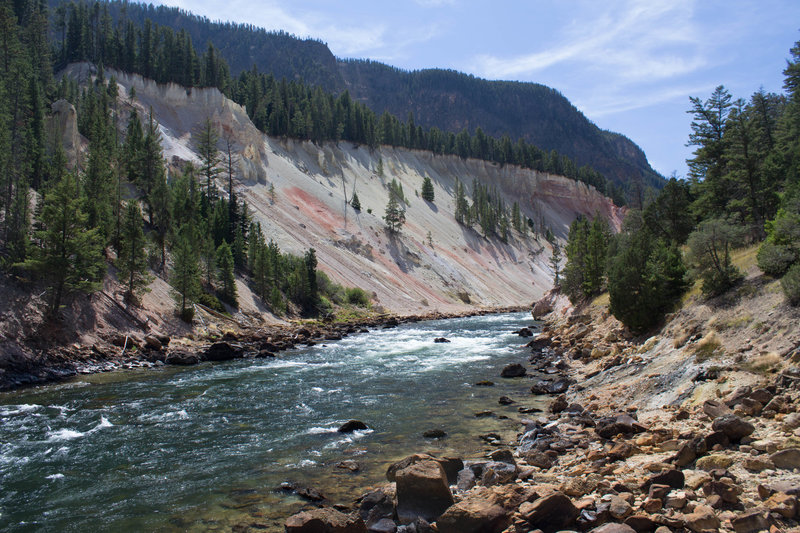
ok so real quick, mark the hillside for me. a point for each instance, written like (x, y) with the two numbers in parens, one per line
(405, 272)
(448, 100)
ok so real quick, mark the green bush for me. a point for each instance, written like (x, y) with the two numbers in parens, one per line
(791, 284)
(357, 296)
(187, 314)
(775, 259)
(211, 301)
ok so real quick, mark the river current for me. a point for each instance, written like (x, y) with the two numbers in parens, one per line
(206, 447)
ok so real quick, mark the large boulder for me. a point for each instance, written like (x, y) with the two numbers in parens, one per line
(611, 426)
(550, 513)
(484, 510)
(422, 491)
(377, 505)
(325, 520)
(223, 351)
(451, 465)
(544, 386)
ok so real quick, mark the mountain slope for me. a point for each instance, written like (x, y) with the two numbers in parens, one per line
(448, 100)
(446, 269)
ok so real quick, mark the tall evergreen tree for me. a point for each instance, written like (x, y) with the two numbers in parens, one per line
(427, 189)
(132, 260)
(225, 274)
(185, 275)
(68, 254)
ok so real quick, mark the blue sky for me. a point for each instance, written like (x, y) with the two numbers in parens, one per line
(629, 65)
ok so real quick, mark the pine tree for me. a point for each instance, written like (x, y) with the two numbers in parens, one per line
(355, 203)
(132, 260)
(395, 215)
(69, 254)
(206, 144)
(427, 189)
(185, 275)
(555, 264)
(225, 274)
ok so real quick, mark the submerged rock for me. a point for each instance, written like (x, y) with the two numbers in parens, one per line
(513, 370)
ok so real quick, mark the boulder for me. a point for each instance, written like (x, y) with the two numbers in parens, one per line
(223, 351)
(440, 340)
(613, 528)
(484, 510)
(513, 370)
(619, 508)
(352, 425)
(451, 466)
(787, 459)
(702, 519)
(733, 426)
(524, 332)
(672, 478)
(715, 409)
(324, 520)
(377, 505)
(505, 400)
(498, 473)
(783, 504)
(714, 462)
(152, 342)
(422, 491)
(434, 434)
(552, 512)
(544, 386)
(182, 358)
(752, 521)
(559, 404)
(609, 427)
(384, 525)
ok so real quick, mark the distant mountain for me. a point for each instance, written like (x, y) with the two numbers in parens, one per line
(446, 99)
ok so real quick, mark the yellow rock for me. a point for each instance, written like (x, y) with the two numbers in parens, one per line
(714, 461)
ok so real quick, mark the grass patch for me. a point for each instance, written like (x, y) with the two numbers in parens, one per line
(708, 347)
(601, 301)
(768, 363)
(745, 258)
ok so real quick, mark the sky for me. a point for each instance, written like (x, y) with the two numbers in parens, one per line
(629, 65)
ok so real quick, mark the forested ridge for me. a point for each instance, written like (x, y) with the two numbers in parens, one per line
(445, 100)
(743, 189)
(62, 226)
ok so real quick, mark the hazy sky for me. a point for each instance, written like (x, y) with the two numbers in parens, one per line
(629, 65)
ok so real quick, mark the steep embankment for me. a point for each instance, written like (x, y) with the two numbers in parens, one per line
(409, 272)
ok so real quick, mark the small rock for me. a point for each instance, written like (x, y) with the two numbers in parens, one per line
(440, 340)
(484, 383)
(348, 464)
(783, 504)
(619, 508)
(559, 404)
(434, 434)
(552, 512)
(757, 464)
(613, 528)
(505, 400)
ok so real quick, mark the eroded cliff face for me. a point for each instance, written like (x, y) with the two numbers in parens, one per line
(434, 263)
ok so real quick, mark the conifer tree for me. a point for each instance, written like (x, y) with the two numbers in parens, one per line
(185, 275)
(427, 189)
(555, 264)
(225, 274)
(132, 260)
(206, 144)
(395, 215)
(355, 203)
(68, 255)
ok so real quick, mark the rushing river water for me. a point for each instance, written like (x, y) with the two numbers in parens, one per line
(204, 448)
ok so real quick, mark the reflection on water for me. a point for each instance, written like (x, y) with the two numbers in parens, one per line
(206, 447)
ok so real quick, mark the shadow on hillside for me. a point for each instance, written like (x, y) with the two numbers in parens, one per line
(398, 252)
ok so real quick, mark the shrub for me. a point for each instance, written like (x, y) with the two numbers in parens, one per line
(791, 284)
(211, 301)
(187, 314)
(775, 259)
(357, 296)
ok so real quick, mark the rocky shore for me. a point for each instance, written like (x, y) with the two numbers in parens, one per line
(641, 435)
(35, 366)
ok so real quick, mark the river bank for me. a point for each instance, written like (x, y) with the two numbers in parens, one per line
(43, 362)
(693, 429)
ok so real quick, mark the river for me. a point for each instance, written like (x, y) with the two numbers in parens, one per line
(204, 448)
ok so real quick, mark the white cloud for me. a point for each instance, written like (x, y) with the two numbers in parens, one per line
(636, 40)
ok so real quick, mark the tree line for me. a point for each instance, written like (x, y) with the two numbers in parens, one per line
(743, 188)
(279, 107)
(117, 210)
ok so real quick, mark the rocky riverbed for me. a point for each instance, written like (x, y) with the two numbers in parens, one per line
(638, 438)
